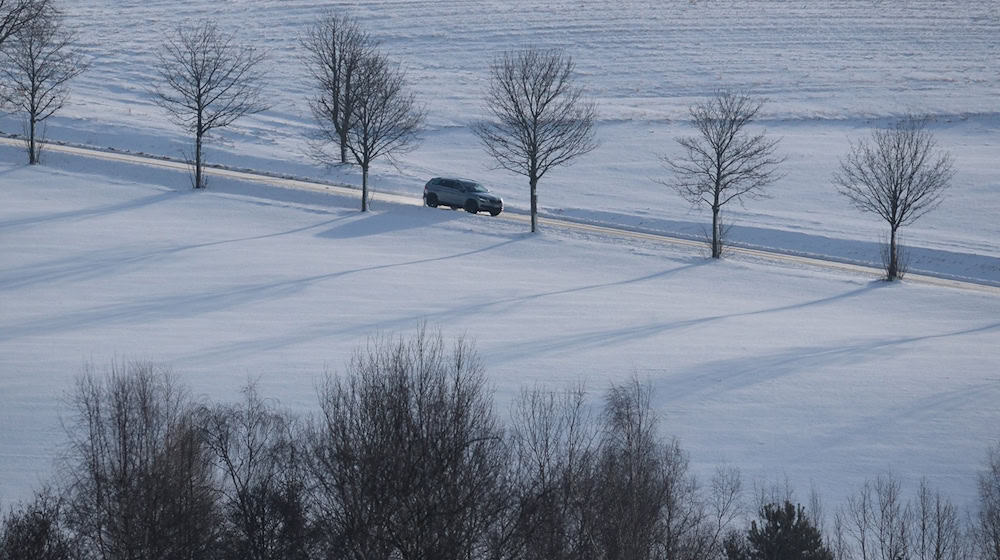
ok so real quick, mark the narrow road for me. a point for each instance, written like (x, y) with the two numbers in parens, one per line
(315, 186)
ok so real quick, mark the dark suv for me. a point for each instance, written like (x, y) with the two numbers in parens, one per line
(461, 193)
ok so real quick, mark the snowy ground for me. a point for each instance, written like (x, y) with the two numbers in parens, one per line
(820, 377)
(824, 378)
(831, 70)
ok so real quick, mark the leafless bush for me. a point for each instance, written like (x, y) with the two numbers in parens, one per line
(407, 457)
(859, 519)
(140, 478)
(263, 494)
(35, 530)
(899, 260)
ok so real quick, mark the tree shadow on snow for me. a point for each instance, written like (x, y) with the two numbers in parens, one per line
(389, 221)
(111, 261)
(192, 303)
(611, 337)
(92, 212)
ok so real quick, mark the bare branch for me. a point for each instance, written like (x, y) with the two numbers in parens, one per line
(16, 14)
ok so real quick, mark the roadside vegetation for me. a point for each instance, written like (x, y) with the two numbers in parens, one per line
(407, 457)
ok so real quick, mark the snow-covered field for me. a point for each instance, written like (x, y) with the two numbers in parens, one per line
(820, 377)
(830, 69)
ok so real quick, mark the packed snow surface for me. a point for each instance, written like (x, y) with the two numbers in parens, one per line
(821, 378)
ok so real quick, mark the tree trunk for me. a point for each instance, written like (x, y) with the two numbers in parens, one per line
(534, 203)
(198, 180)
(716, 234)
(32, 154)
(892, 270)
(342, 111)
(364, 187)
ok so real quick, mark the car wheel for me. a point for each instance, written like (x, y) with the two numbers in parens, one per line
(432, 200)
(471, 206)
(494, 212)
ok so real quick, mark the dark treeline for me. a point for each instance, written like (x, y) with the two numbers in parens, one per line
(407, 459)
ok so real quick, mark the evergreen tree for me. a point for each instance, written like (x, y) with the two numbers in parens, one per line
(784, 533)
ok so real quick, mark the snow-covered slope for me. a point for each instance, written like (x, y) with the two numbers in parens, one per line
(822, 378)
(825, 378)
(830, 70)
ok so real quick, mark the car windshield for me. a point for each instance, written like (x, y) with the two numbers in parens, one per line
(475, 187)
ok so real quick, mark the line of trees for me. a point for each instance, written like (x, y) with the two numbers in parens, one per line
(408, 459)
(538, 116)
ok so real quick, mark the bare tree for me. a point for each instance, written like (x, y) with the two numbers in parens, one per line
(879, 520)
(538, 117)
(694, 525)
(336, 47)
(937, 531)
(141, 483)
(892, 522)
(264, 497)
(39, 61)
(631, 491)
(554, 447)
(206, 82)
(724, 162)
(408, 455)
(899, 175)
(989, 506)
(650, 505)
(859, 519)
(385, 119)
